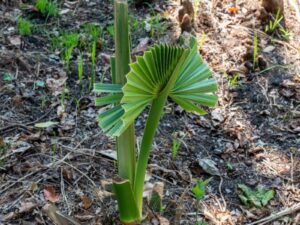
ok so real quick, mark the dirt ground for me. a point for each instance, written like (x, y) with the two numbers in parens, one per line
(252, 136)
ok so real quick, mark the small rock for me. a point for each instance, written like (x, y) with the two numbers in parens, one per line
(217, 116)
(269, 48)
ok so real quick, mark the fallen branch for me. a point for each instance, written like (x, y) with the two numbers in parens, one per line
(275, 216)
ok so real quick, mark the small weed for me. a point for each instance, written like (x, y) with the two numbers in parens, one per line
(255, 47)
(274, 23)
(77, 104)
(47, 8)
(93, 30)
(136, 24)
(176, 143)
(284, 33)
(6, 76)
(233, 80)
(93, 57)
(63, 96)
(199, 192)
(52, 9)
(24, 27)
(43, 101)
(257, 198)
(199, 188)
(70, 41)
(111, 30)
(41, 6)
(229, 167)
(157, 27)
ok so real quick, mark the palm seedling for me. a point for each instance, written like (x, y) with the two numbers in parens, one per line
(163, 71)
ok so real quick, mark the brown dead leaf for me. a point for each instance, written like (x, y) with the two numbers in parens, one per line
(50, 194)
(87, 202)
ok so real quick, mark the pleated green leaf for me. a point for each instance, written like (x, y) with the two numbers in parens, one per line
(181, 72)
(110, 99)
(107, 88)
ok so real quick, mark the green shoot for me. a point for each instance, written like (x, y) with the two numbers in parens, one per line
(41, 5)
(93, 30)
(69, 41)
(199, 189)
(93, 57)
(47, 8)
(111, 31)
(52, 9)
(77, 104)
(24, 27)
(157, 27)
(68, 54)
(233, 80)
(80, 68)
(284, 33)
(176, 143)
(255, 46)
(273, 24)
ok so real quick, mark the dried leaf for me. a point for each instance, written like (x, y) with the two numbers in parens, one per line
(233, 10)
(27, 207)
(33, 187)
(87, 202)
(50, 194)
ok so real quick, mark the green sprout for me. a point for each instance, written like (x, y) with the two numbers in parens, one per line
(80, 68)
(47, 8)
(199, 191)
(41, 5)
(24, 27)
(273, 24)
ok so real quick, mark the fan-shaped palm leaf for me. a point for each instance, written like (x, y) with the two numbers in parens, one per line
(163, 70)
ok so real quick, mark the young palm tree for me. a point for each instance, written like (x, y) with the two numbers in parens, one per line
(163, 71)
